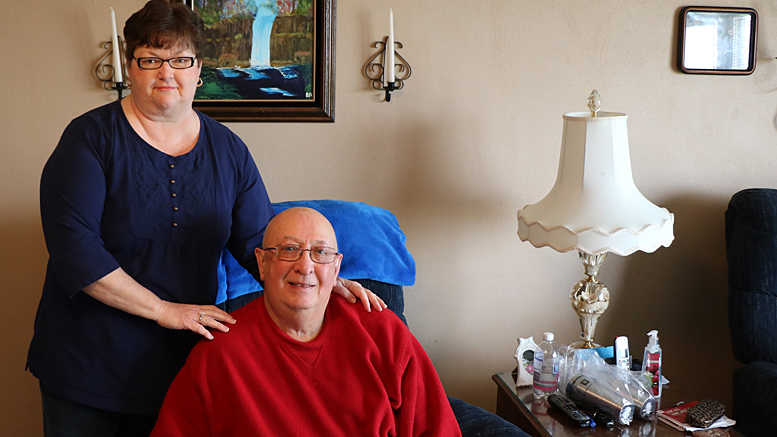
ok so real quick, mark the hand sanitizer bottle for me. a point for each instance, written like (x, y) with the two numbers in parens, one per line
(651, 362)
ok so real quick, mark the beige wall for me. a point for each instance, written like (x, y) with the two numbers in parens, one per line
(473, 137)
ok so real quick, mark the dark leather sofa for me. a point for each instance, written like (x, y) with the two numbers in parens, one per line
(751, 248)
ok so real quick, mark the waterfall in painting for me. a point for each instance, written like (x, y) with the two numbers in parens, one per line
(260, 51)
(256, 50)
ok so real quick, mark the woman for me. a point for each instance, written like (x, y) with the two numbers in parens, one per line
(137, 201)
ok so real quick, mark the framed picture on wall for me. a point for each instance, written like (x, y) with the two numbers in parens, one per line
(716, 40)
(267, 60)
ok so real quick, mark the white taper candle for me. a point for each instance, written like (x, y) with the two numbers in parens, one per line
(117, 69)
(389, 67)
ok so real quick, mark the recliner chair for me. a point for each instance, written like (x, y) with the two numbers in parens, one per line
(751, 249)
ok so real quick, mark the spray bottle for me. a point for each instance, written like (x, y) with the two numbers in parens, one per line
(651, 362)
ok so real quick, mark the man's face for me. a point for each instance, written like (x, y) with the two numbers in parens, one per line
(300, 285)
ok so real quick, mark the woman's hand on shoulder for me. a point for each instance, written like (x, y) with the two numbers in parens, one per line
(195, 318)
(119, 290)
(353, 290)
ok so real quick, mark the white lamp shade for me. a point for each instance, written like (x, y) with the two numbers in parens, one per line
(594, 206)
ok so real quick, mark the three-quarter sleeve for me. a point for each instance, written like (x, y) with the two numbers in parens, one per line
(251, 213)
(72, 198)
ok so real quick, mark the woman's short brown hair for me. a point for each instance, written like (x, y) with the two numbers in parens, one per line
(162, 24)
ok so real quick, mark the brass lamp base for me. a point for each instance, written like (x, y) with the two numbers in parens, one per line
(589, 298)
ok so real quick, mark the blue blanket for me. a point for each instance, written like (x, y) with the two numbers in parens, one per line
(370, 239)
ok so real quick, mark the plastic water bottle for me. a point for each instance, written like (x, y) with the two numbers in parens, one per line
(546, 361)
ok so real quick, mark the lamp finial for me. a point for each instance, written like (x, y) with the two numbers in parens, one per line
(594, 102)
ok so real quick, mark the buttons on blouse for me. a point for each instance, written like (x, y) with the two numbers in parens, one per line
(174, 195)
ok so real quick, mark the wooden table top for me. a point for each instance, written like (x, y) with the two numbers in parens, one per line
(548, 421)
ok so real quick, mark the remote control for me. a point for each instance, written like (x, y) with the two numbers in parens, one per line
(570, 410)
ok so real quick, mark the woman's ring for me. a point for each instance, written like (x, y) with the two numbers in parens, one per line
(200, 320)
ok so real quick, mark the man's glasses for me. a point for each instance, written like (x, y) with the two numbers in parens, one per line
(156, 63)
(292, 252)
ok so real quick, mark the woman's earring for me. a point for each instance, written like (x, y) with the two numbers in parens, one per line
(199, 83)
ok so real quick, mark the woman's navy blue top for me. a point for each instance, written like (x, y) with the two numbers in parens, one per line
(108, 199)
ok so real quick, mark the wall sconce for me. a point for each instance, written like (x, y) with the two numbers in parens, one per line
(112, 74)
(105, 71)
(382, 74)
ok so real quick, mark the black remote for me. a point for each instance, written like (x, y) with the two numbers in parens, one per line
(570, 409)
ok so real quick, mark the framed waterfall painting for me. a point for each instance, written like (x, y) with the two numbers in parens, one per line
(267, 60)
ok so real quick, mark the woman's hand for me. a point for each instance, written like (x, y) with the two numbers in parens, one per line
(119, 290)
(352, 290)
(195, 318)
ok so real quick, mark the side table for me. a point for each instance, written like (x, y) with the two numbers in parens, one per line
(539, 419)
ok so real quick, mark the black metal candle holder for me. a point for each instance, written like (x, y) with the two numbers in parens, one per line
(105, 71)
(375, 70)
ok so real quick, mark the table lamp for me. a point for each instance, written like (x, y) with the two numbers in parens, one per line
(595, 208)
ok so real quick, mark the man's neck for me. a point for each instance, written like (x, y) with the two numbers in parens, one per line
(301, 325)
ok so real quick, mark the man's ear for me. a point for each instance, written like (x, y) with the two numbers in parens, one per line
(260, 261)
(338, 263)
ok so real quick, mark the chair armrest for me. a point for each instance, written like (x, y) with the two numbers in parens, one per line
(755, 398)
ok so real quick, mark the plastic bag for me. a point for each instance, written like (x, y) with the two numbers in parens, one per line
(594, 384)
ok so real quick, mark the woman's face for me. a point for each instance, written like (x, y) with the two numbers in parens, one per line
(165, 89)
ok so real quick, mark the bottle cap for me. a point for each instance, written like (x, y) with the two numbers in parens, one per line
(548, 336)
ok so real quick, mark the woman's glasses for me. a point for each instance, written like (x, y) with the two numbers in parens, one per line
(156, 63)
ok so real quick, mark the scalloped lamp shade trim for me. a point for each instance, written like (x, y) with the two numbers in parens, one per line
(594, 206)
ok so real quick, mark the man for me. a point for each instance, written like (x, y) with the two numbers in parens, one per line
(302, 364)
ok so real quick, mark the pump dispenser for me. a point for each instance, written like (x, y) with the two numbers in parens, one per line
(651, 362)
